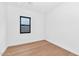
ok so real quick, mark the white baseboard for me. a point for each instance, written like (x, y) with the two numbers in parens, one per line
(4, 49)
(22, 42)
(25, 39)
(66, 48)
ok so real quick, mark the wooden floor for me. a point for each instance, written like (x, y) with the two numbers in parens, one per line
(39, 48)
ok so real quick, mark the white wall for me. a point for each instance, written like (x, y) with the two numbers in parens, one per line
(2, 28)
(14, 36)
(63, 26)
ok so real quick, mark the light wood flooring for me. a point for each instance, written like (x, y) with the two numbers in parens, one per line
(38, 48)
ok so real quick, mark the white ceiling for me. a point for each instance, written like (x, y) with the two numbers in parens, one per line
(43, 7)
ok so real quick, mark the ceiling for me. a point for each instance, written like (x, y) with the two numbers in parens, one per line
(42, 7)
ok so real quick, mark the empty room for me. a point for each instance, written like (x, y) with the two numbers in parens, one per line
(39, 28)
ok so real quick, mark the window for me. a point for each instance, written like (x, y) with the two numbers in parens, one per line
(25, 24)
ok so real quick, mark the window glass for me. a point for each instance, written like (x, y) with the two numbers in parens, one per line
(25, 21)
(25, 24)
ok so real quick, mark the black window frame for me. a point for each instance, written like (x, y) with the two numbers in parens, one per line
(25, 25)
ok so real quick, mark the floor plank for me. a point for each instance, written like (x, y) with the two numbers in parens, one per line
(38, 48)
